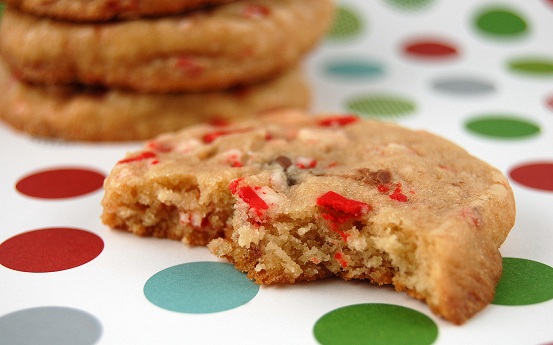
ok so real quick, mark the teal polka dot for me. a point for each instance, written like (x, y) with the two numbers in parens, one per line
(353, 69)
(380, 106)
(347, 24)
(502, 126)
(374, 324)
(532, 66)
(501, 22)
(200, 287)
(524, 282)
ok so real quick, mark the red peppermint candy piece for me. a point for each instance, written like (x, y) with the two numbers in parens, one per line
(250, 197)
(142, 156)
(233, 185)
(338, 121)
(159, 146)
(189, 66)
(255, 11)
(211, 136)
(339, 203)
(339, 256)
(398, 194)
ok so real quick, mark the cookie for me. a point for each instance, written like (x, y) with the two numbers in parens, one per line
(99, 10)
(297, 197)
(96, 114)
(237, 43)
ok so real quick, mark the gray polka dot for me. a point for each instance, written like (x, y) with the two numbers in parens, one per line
(49, 325)
(463, 86)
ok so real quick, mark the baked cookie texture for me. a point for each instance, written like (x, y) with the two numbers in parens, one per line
(294, 197)
(85, 113)
(100, 10)
(235, 43)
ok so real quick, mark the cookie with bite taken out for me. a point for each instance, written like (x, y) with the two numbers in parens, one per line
(295, 197)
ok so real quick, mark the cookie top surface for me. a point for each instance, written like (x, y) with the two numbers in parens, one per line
(237, 43)
(301, 157)
(97, 10)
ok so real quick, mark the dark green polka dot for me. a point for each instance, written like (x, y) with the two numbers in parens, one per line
(501, 22)
(353, 69)
(410, 4)
(524, 282)
(374, 324)
(380, 106)
(502, 126)
(347, 24)
(532, 66)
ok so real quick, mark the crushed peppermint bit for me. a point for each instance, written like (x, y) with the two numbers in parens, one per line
(338, 121)
(159, 146)
(315, 260)
(339, 209)
(340, 257)
(250, 197)
(336, 202)
(193, 219)
(234, 158)
(255, 11)
(142, 156)
(398, 194)
(233, 186)
(306, 162)
(211, 136)
(335, 222)
(218, 122)
(382, 188)
(473, 215)
(189, 66)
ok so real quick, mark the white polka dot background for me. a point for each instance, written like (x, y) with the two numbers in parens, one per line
(479, 73)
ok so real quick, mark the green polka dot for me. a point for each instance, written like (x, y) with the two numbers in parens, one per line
(410, 4)
(353, 69)
(346, 24)
(532, 66)
(200, 287)
(374, 324)
(501, 22)
(524, 282)
(380, 106)
(502, 126)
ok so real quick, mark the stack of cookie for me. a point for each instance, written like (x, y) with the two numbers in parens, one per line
(112, 70)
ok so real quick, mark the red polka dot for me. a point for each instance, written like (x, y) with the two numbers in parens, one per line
(60, 183)
(537, 175)
(430, 49)
(50, 250)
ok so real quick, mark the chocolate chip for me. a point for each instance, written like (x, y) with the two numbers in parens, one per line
(383, 176)
(284, 162)
(290, 180)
